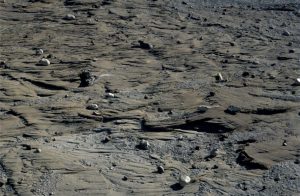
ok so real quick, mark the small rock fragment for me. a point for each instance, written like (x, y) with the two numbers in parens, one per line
(38, 150)
(125, 178)
(219, 78)
(4, 65)
(184, 180)
(145, 45)
(202, 109)
(92, 107)
(110, 95)
(180, 137)
(160, 169)
(39, 51)
(44, 62)
(297, 82)
(284, 143)
(86, 78)
(144, 145)
(286, 33)
(69, 17)
(233, 110)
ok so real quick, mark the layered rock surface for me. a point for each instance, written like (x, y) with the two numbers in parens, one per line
(164, 93)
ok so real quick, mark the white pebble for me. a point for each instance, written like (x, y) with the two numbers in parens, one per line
(297, 82)
(184, 180)
(92, 107)
(219, 77)
(69, 17)
(111, 95)
(39, 51)
(38, 150)
(44, 62)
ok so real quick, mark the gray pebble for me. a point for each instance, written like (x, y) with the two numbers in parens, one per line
(92, 107)
(69, 17)
(286, 33)
(44, 62)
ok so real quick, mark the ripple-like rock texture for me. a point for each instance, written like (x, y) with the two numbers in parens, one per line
(203, 90)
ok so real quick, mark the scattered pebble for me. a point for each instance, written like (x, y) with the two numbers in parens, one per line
(39, 51)
(286, 33)
(145, 45)
(297, 82)
(125, 178)
(233, 110)
(38, 150)
(4, 65)
(180, 137)
(202, 109)
(219, 78)
(44, 62)
(144, 145)
(92, 107)
(160, 169)
(184, 180)
(284, 143)
(110, 95)
(69, 17)
(86, 78)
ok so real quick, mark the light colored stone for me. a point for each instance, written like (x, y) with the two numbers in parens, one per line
(69, 17)
(39, 51)
(297, 82)
(44, 62)
(110, 95)
(92, 107)
(219, 77)
(38, 150)
(184, 180)
(160, 169)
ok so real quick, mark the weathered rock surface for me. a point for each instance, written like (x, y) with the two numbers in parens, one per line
(161, 90)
